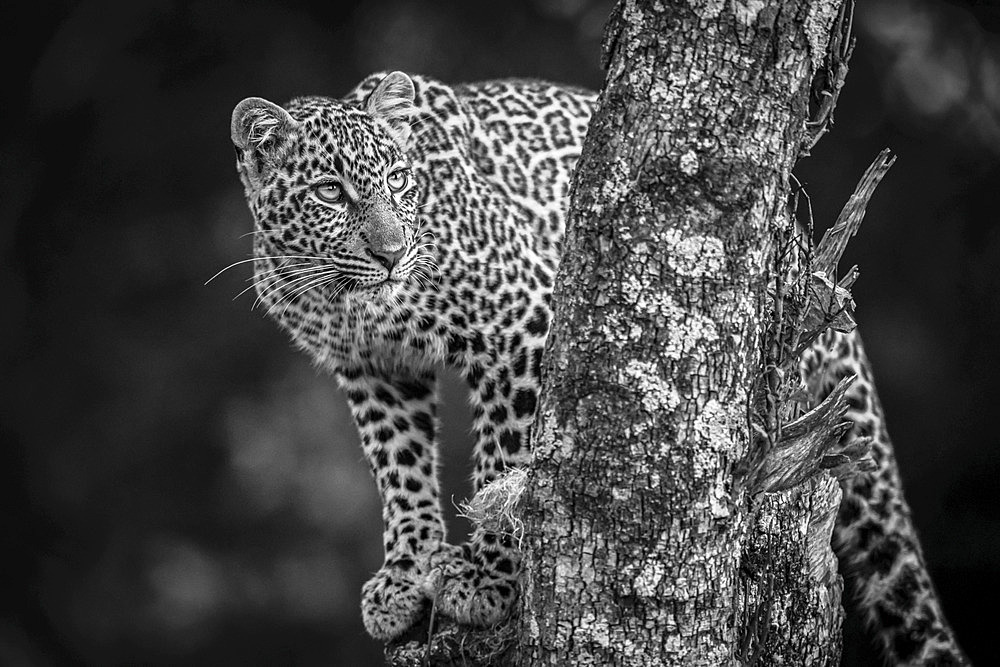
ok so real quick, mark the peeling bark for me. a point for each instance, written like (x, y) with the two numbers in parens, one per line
(643, 544)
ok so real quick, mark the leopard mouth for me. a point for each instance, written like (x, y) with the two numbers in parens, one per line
(376, 290)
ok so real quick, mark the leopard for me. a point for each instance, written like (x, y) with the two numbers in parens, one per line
(412, 226)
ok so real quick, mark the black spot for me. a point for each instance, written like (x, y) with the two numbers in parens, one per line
(857, 403)
(862, 486)
(400, 424)
(381, 459)
(884, 509)
(356, 396)
(475, 375)
(498, 415)
(883, 556)
(427, 322)
(403, 503)
(504, 590)
(405, 457)
(850, 511)
(384, 434)
(351, 373)
(383, 394)
(413, 485)
(866, 533)
(478, 343)
(371, 415)
(457, 344)
(887, 618)
(521, 363)
(905, 589)
(524, 402)
(543, 275)
(424, 424)
(539, 323)
(410, 391)
(510, 441)
(504, 565)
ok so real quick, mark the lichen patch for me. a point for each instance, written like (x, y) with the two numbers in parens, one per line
(656, 395)
(695, 255)
(689, 164)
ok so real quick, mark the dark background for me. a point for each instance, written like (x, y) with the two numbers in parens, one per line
(181, 487)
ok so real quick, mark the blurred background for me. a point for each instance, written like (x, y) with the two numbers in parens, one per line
(181, 487)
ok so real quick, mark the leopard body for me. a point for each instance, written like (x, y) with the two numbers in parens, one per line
(455, 267)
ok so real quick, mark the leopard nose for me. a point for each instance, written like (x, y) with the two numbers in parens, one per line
(388, 258)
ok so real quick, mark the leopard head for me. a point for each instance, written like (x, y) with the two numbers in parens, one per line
(331, 192)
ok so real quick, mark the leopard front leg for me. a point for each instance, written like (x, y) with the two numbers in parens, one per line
(481, 588)
(396, 418)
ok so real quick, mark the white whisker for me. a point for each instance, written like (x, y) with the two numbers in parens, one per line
(256, 231)
(275, 274)
(254, 259)
(301, 290)
(278, 285)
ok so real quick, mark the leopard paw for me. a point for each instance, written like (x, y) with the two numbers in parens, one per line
(393, 600)
(473, 593)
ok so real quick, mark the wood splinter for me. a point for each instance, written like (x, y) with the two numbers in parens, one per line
(812, 443)
(829, 304)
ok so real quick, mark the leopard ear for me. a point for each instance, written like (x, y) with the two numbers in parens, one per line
(262, 133)
(392, 103)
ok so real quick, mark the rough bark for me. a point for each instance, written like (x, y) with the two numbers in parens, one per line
(676, 511)
(645, 543)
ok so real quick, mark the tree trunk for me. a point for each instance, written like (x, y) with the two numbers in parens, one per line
(645, 544)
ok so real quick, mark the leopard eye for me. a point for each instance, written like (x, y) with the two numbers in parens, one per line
(398, 180)
(332, 193)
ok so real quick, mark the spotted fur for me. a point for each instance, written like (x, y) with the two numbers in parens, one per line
(455, 267)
